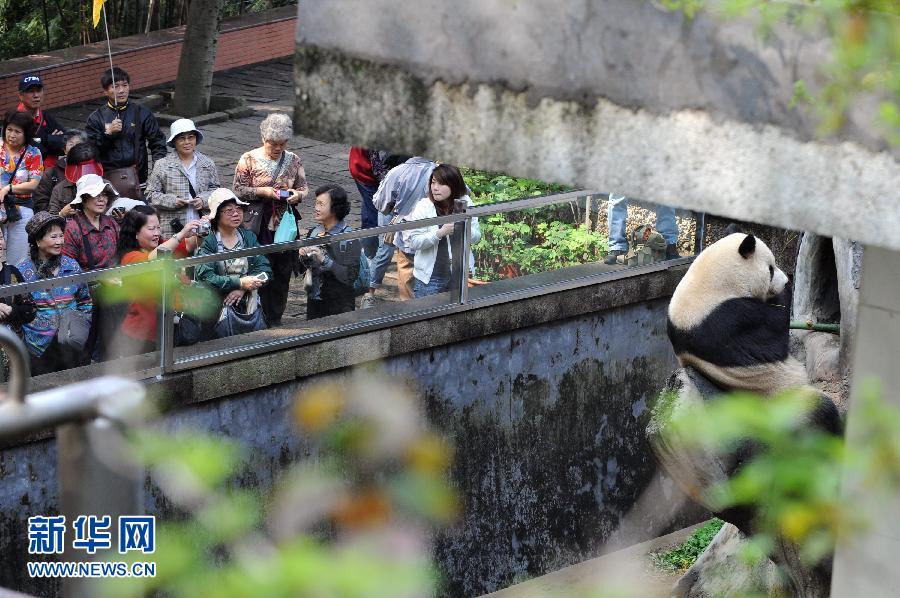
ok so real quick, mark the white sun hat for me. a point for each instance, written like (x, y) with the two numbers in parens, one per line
(94, 185)
(220, 196)
(183, 125)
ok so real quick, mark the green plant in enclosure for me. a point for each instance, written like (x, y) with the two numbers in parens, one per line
(354, 521)
(683, 556)
(531, 240)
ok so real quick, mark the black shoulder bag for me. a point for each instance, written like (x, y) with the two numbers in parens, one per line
(13, 214)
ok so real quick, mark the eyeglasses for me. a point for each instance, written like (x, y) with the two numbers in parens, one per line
(231, 210)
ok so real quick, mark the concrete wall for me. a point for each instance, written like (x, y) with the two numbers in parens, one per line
(548, 419)
(614, 95)
(72, 75)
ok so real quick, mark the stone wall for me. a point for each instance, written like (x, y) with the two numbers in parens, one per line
(547, 418)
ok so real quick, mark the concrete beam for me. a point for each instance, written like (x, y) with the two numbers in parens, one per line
(614, 95)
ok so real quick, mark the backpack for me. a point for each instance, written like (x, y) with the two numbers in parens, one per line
(350, 255)
(647, 246)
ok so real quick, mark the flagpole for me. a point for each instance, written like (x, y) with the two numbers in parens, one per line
(112, 73)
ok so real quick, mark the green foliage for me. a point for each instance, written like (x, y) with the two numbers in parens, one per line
(528, 241)
(26, 26)
(683, 556)
(353, 522)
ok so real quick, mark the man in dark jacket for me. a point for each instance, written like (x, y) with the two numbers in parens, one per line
(48, 135)
(122, 130)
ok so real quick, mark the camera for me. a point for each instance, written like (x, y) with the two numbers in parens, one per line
(262, 277)
(204, 228)
(283, 194)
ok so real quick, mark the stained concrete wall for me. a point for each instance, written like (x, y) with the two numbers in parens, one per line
(614, 95)
(547, 413)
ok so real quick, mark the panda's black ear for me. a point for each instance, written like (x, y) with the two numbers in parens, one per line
(748, 246)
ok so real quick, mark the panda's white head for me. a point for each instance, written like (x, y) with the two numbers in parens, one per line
(736, 266)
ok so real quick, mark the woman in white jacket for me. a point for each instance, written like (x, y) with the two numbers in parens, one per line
(432, 264)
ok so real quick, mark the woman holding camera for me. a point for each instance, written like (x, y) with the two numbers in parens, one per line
(447, 194)
(333, 267)
(236, 279)
(272, 180)
(139, 241)
(181, 183)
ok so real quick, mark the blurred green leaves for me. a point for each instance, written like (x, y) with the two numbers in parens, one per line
(795, 477)
(353, 521)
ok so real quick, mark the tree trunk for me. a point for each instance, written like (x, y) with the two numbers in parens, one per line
(150, 10)
(195, 69)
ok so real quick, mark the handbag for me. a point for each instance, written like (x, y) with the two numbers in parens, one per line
(126, 182)
(287, 228)
(13, 214)
(74, 328)
(253, 216)
(187, 330)
(234, 321)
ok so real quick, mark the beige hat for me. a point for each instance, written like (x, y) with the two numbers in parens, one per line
(94, 185)
(220, 196)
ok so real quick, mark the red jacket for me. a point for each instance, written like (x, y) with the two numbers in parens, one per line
(361, 167)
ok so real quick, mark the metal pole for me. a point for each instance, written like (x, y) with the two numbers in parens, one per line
(464, 258)
(457, 276)
(19, 364)
(94, 480)
(166, 319)
(699, 232)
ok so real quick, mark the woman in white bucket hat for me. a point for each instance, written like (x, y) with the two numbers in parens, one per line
(181, 183)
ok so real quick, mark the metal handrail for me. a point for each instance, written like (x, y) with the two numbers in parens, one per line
(156, 266)
(459, 291)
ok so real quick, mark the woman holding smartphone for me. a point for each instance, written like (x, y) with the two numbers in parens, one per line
(237, 280)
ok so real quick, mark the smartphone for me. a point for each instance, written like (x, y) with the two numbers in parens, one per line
(262, 277)
(283, 194)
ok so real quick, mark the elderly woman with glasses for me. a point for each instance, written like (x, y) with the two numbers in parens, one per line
(181, 183)
(271, 180)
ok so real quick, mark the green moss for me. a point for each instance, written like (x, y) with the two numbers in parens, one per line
(683, 556)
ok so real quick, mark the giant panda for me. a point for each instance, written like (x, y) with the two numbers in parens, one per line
(728, 318)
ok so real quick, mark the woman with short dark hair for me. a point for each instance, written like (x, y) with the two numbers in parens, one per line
(21, 168)
(331, 268)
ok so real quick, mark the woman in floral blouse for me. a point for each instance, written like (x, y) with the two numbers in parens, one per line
(21, 168)
(272, 180)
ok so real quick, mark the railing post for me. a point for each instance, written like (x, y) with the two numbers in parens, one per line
(94, 480)
(166, 317)
(699, 231)
(458, 263)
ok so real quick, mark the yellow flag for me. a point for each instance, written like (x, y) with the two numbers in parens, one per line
(98, 6)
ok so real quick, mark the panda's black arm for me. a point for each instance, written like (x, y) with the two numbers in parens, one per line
(738, 332)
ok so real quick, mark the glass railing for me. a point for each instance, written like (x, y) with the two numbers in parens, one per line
(495, 252)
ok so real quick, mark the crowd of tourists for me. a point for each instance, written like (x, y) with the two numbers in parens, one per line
(122, 192)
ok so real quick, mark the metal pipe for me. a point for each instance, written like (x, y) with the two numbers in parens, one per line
(19, 364)
(112, 397)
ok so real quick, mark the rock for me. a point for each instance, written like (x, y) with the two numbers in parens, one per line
(722, 571)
